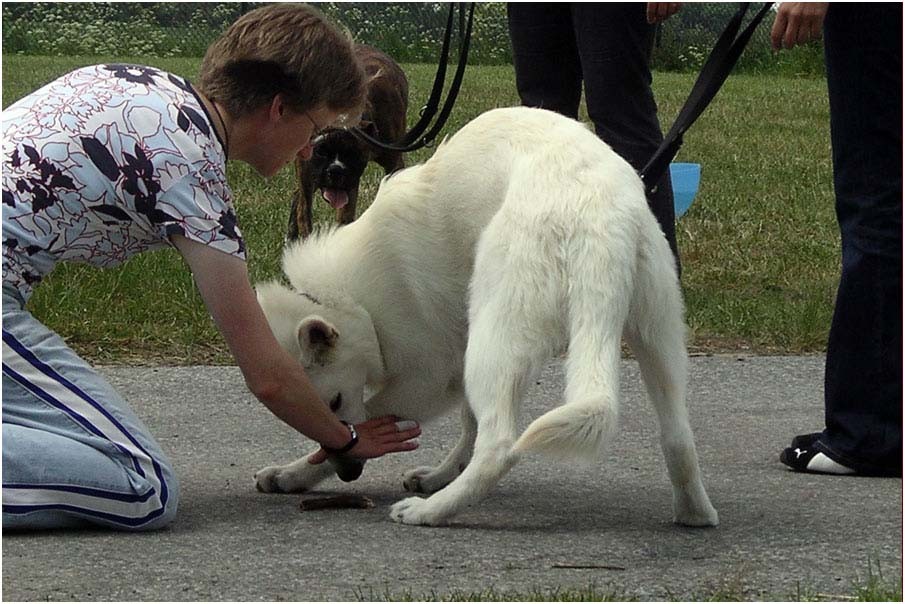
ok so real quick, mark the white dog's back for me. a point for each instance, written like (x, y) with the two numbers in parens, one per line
(550, 182)
(561, 219)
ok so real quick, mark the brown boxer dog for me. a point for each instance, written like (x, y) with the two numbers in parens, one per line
(340, 158)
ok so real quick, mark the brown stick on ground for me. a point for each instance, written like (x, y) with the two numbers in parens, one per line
(338, 502)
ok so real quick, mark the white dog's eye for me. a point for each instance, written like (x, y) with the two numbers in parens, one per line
(336, 403)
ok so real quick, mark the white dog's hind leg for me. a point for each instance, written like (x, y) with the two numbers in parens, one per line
(656, 335)
(428, 479)
(296, 477)
(513, 320)
(600, 275)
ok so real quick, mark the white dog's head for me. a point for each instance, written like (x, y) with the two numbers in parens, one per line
(333, 339)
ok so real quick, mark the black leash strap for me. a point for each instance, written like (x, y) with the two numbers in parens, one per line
(413, 139)
(430, 109)
(722, 59)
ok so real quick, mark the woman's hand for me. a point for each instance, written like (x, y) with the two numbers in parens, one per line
(797, 23)
(377, 437)
(658, 12)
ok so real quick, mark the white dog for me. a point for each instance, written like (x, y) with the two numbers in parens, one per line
(522, 236)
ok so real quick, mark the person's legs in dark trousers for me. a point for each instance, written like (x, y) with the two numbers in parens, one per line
(614, 43)
(547, 69)
(556, 46)
(864, 355)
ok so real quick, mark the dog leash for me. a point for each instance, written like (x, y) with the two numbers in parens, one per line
(722, 59)
(415, 138)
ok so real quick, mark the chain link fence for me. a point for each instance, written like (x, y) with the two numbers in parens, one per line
(410, 32)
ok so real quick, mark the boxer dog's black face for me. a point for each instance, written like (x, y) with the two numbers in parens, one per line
(339, 158)
(336, 165)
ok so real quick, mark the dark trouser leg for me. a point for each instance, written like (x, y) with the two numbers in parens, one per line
(863, 384)
(547, 70)
(614, 42)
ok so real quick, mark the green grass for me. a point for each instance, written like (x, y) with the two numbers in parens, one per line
(872, 588)
(759, 245)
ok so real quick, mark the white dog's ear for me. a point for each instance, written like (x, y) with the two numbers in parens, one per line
(317, 339)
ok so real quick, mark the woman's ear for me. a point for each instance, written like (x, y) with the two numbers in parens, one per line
(277, 108)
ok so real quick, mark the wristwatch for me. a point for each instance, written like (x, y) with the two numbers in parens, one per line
(348, 446)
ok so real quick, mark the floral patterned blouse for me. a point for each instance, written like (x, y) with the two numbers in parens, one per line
(106, 162)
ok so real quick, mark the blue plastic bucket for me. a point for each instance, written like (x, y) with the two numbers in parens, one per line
(685, 181)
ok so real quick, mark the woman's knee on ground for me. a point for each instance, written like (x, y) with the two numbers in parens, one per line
(53, 481)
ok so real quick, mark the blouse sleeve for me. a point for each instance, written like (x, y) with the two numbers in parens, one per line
(199, 207)
(195, 200)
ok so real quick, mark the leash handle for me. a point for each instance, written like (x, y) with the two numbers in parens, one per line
(716, 69)
(411, 140)
(430, 109)
(464, 46)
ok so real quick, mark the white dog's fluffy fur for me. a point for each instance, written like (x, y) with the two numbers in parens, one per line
(523, 235)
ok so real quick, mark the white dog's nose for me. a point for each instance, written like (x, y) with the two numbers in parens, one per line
(347, 468)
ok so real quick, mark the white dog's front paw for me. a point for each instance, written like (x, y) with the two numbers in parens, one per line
(292, 478)
(427, 479)
(415, 510)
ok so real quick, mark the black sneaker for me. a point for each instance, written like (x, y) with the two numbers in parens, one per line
(797, 456)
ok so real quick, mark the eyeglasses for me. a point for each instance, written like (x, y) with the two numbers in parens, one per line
(316, 132)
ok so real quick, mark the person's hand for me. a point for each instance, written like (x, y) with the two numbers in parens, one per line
(797, 23)
(658, 12)
(377, 437)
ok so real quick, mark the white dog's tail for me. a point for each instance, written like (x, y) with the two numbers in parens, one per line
(583, 427)
(579, 430)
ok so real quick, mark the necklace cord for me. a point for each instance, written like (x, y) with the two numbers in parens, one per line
(225, 129)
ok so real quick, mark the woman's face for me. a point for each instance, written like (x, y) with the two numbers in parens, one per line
(289, 135)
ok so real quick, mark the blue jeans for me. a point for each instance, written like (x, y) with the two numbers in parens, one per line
(74, 453)
(863, 381)
(606, 46)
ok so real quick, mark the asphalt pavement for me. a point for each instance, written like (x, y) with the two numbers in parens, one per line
(546, 526)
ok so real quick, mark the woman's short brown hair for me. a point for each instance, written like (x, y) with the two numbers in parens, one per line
(289, 49)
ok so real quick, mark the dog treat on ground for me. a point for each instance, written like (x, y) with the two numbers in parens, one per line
(338, 502)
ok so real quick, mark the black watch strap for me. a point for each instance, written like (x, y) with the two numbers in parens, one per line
(348, 446)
